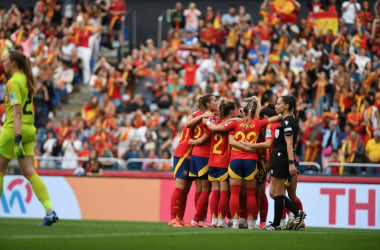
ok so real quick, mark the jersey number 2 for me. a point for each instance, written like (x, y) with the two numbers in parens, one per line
(24, 111)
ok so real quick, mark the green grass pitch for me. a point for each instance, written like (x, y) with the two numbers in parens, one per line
(82, 234)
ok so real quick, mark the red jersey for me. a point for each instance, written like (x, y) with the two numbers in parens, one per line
(242, 134)
(189, 78)
(117, 5)
(183, 148)
(269, 134)
(220, 150)
(82, 37)
(204, 149)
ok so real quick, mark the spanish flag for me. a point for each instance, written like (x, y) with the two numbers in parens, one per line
(112, 24)
(325, 21)
(283, 6)
(367, 82)
(217, 21)
(274, 57)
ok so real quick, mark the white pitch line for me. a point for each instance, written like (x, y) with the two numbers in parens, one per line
(137, 234)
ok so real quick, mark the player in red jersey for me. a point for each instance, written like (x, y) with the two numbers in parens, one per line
(218, 166)
(201, 143)
(243, 163)
(290, 183)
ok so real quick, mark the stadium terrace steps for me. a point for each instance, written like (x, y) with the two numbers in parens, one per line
(75, 102)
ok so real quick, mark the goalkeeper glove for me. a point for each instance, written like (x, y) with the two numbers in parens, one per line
(18, 149)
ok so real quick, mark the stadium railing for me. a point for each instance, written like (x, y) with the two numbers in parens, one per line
(346, 164)
(314, 164)
(122, 164)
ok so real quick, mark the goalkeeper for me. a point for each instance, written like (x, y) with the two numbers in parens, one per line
(18, 134)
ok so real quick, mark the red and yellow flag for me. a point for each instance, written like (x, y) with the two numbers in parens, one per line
(217, 21)
(274, 57)
(325, 21)
(283, 6)
(368, 81)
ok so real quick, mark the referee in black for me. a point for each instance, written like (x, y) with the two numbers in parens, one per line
(282, 164)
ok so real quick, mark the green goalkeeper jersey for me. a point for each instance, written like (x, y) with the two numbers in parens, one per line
(16, 92)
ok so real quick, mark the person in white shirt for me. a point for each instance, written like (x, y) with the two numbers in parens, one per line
(71, 148)
(240, 85)
(349, 11)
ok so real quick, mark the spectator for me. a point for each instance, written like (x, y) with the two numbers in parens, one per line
(230, 17)
(349, 11)
(117, 9)
(177, 19)
(372, 150)
(109, 154)
(84, 152)
(40, 102)
(164, 138)
(70, 148)
(353, 152)
(48, 149)
(192, 15)
(150, 165)
(330, 141)
(134, 151)
(92, 167)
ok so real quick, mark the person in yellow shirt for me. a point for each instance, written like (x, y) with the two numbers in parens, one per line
(372, 150)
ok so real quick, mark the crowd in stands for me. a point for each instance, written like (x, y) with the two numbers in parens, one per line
(138, 107)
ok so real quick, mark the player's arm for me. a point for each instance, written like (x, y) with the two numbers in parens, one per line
(193, 122)
(236, 144)
(289, 149)
(276, 118)
(17, 113)
(199, 141)
(266, 144)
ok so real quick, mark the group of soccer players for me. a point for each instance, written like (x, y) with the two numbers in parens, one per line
(227, 151)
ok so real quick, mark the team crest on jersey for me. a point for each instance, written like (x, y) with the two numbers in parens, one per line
(12, 98)
(268, 132)
(277, 133)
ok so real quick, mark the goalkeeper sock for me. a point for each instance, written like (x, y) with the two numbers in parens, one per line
(39, 188)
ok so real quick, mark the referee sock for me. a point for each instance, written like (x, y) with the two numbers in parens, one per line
(1, 182)
(214, 201)
(175, 203)
(279, 205)
(234, 201)
(290, 205)
(39, 188)
(251, 204)
(223, 204)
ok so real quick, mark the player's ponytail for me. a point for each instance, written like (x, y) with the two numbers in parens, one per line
(222, 103)
(252, 109)
(23, 64)
(225, 107)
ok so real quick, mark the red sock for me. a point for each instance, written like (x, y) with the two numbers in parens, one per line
(299, 204)
(283, 215)
(202, 203)
(181, 211)
(263, 208)
(214, 201)
(205, 208)
(258, 202)
(251, 203)
(223, 204)
(234, 201)
(175, 203)
(243, 205)
(196, 198)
